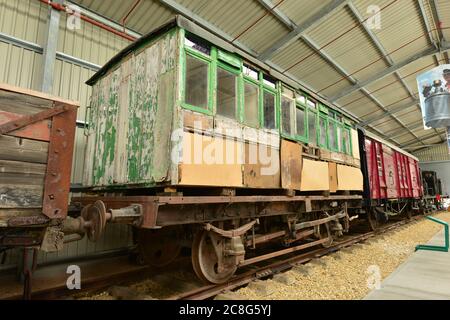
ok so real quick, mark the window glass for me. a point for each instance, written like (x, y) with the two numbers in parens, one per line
(346, 141)
(300, 121)
(226, 93)
(196, 91)
(323, 132)
(250, 72)
(286, 115)
(269, 110)
(301, 99)
(339, 137)
(311, 104)
(312, 128)
(251, 93)
(268, 81)
(332, 135)
(196, 45)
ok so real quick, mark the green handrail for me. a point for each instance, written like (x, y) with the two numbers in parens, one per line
(436, 248)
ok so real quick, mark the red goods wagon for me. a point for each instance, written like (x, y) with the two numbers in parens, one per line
(392, 172)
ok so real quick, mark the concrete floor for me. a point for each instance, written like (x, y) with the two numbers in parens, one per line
(424, 276)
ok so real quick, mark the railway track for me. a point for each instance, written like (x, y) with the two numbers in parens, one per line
(284, 265)
(95, 284)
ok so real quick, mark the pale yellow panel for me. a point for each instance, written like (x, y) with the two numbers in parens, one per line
(315, 176)
(349, 178)
(355, 144)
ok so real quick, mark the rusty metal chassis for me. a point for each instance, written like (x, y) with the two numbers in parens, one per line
(161, 211)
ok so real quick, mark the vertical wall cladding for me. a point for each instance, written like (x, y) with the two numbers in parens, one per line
(27, 20)
(132, 108)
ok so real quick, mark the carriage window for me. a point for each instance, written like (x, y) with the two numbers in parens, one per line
(268, 81)
(286, 115)
(192, 43)
(300, 121)
(196, 91)
(312, 127)
(301, 99)
(311, 104)
(332, 135)
(226, 93)
(346, 141)
(250, 72)
(323, 132)
(251, 104)
(269, 110)
(339, 138)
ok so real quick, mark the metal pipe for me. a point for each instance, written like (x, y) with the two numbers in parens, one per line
(124, 19)
(59, 7)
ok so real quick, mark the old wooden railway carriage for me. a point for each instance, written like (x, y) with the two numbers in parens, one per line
(215, 152)
(197, 144)
(200, 145)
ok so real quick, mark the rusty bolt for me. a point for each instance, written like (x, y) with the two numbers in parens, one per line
(51, 196)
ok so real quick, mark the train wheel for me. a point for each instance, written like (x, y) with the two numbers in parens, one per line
(372, 219)
(205, 260)
(159, 248)
(323, 231)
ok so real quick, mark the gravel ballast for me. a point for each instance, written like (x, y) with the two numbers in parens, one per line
(351, 274)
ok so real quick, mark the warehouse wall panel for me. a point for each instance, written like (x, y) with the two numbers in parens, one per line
(26, 20)
(442, 169)
(437, 153)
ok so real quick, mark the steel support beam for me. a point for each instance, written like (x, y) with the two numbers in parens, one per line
(343, 72)
(425, 53)
(297, 31)
(401, 132)
(269, 6)
(389, 112)
(434, 134)
(426, 22)
(38, 49)
(50, 45)
(90, 14)
(176, 7)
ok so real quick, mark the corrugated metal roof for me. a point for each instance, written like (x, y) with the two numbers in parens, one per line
(340, 37)
(437, 153)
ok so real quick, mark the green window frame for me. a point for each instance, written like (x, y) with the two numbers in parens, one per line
(265, 91)
(315, 126)
(237, 73)
(301, 137)
(333, 125)
(287, 107)
(188, 52)
(250, 81)
(347, 148)
(276, 92)
(323, 132)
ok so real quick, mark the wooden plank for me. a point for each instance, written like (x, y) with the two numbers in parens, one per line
(291, 165)
(22, 167)
(21, 179)
(349, 178)
(163, 127)
(196, 121)
(38, 131)
(21, 196)
(262, 167)
(210, 161)
(19, 149)
(315, 176)
(35, 97)
(332, 168)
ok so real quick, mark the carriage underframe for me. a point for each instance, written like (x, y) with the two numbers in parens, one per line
(223, 232)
